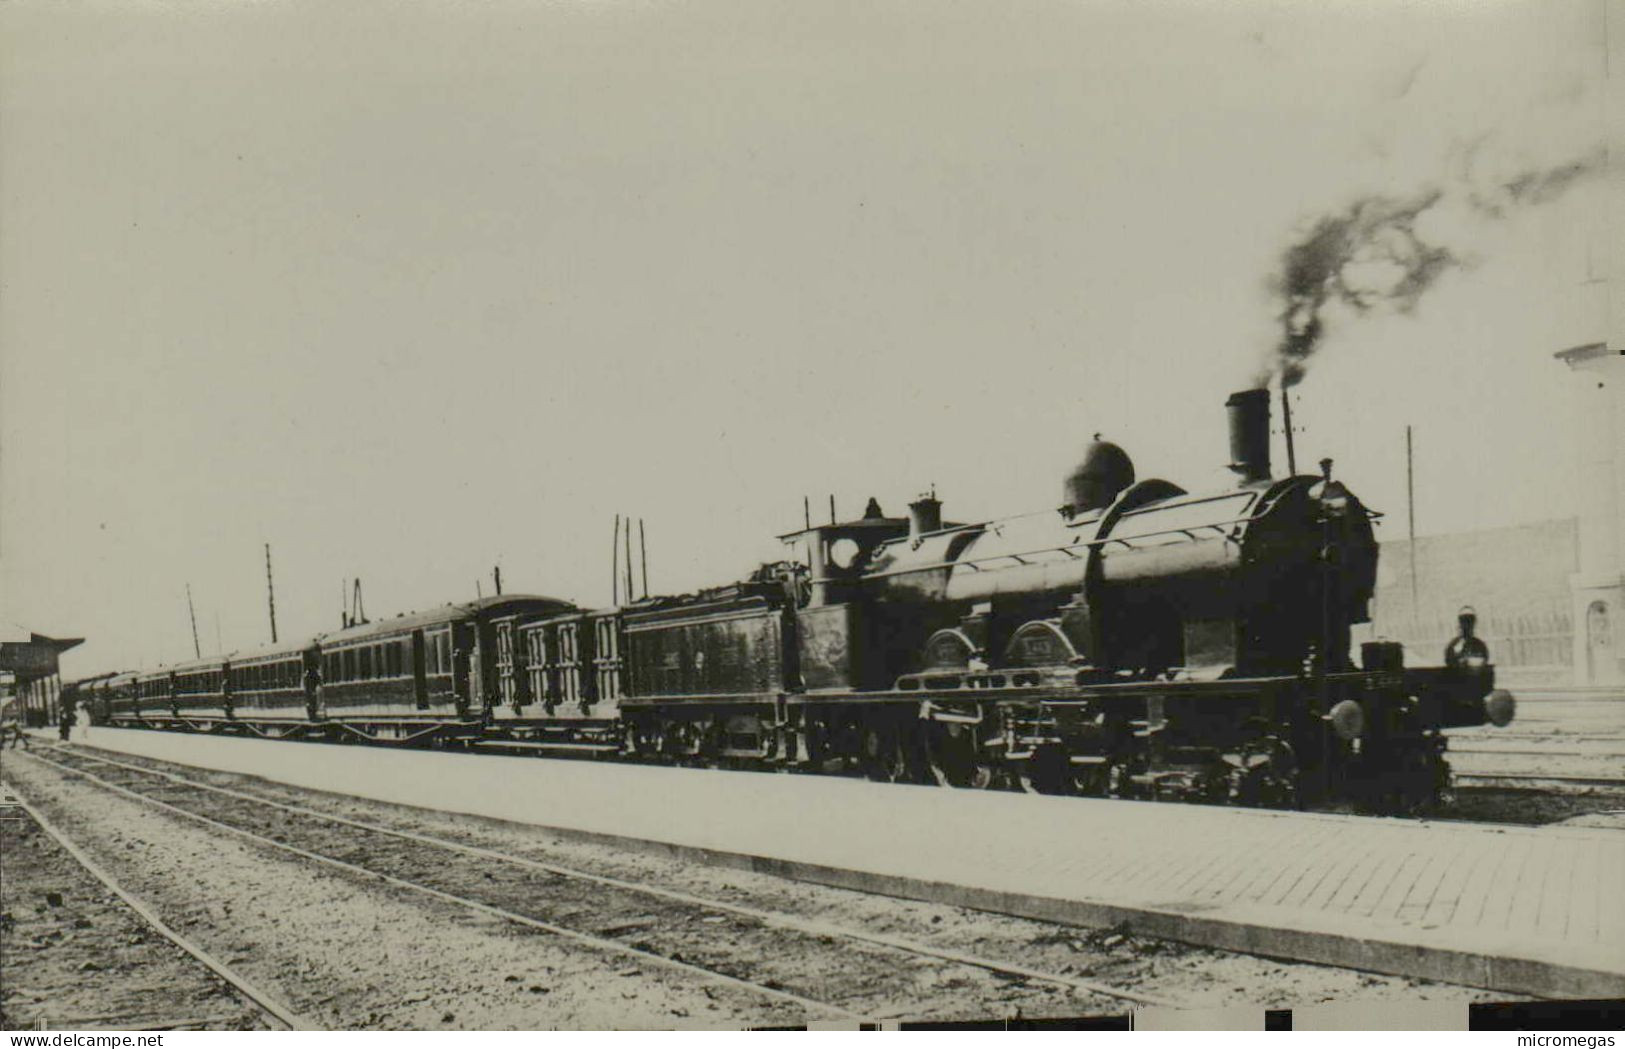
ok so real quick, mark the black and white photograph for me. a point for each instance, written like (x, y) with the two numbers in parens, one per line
(755, 515)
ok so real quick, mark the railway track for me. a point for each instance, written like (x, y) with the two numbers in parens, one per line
(734, 939)
(1539, 781)
(277, 1011)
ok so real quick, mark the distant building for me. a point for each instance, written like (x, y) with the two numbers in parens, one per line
(31, 661)
(1517, 579)
(1597, 587)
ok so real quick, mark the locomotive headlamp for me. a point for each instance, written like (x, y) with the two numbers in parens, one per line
(1500, 708)
(1347, 720)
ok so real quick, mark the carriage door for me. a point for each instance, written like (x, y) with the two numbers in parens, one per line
(311, 682)
(420, 680)
(462, 658)
(485, 667)
(507, 672)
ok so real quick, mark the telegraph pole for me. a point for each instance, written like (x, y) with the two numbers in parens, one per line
(270, 591)
(1410, 509)
(1286, 417)
(643, 553)
(628, 538)
(197, 649)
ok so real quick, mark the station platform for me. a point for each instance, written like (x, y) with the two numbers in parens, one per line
(1538, 911)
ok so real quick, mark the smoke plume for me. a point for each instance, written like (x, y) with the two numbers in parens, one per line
(1371, 255)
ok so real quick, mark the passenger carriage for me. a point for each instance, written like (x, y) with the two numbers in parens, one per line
(273, 683)
(424, 675)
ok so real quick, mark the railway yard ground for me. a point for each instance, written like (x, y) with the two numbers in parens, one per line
(1562, 760)
(349, 911)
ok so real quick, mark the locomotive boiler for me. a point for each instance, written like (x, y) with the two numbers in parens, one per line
(1138, 641)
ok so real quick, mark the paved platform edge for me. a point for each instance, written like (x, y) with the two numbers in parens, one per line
(1520, 975)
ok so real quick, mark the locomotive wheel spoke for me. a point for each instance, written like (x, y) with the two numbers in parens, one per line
(1046, 773)
(955, 762)
(882, 754)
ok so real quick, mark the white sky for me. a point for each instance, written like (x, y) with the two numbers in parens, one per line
(409, 290)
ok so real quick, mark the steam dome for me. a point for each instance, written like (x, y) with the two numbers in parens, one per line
(1104, 472)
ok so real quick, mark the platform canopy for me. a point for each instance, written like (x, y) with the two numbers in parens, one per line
(34, 658)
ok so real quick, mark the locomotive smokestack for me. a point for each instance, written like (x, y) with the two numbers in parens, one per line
(1250, 434)
(924, 515)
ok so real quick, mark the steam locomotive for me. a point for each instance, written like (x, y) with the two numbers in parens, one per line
(1141, 641)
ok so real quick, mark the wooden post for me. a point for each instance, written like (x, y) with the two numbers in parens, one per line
(615, 565)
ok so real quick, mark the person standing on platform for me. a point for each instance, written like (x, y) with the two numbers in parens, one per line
(1466, 651)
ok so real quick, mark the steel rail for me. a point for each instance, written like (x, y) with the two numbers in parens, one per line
(780, 920)
(599, 942)
(1494, 778)
(268, 1003)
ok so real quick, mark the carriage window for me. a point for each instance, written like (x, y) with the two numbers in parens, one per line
(349, 664)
